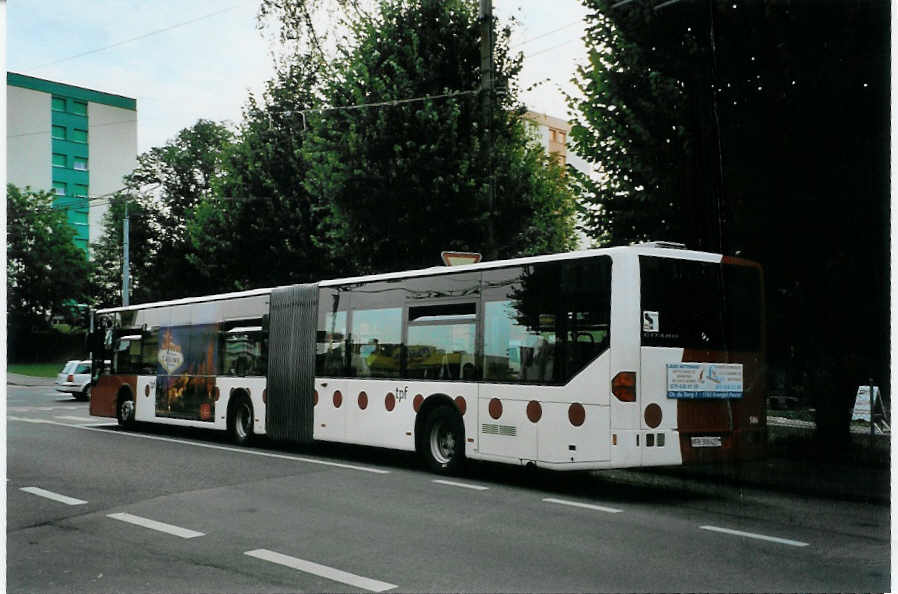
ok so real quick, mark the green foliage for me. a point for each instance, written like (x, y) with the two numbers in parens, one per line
(303, 192)
(45, 270)
(107, 254)
(404, 181)
(163, 193)
(261, 227)
(798, 181)
(638, 121)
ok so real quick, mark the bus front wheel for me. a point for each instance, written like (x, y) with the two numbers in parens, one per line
(125, 412)
(240, 421)
(443, 445)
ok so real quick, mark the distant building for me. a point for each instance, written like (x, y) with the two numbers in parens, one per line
(76, 142)
(553, 134)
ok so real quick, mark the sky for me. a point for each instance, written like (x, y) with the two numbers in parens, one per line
(201, 59)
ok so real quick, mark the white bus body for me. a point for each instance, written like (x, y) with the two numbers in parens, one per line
(564, 419)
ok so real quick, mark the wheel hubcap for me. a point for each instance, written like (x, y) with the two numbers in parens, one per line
(127, 410)
(243, 421)
(442, 443)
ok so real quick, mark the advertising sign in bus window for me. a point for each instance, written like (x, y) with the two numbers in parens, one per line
(187, 363)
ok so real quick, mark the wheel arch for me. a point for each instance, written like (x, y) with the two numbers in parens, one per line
(125, 392)
(431, 403)
(234, 396)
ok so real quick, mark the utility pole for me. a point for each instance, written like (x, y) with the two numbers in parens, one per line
(126, 268)
(718, 185)
(487, 106)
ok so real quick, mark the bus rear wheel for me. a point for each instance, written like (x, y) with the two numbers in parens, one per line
(240, 421)
(443, 446)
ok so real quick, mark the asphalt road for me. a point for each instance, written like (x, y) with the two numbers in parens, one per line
(160, 510)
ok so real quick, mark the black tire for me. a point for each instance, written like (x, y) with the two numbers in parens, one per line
(84, 395)
(124, 412)
(443, 442)
(240, 420)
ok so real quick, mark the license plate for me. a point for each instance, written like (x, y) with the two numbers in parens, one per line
(706, 442)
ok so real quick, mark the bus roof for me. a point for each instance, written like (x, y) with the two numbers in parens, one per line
(649, 249)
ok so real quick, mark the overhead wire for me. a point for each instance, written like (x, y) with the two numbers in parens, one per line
(35, 133)
(129, 40)
(546, 34)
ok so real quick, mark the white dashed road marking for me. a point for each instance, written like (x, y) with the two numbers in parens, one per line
(463, 485)
(54, 496)
(324, 571)
(154, 525)
(610, 510)
(785, 541)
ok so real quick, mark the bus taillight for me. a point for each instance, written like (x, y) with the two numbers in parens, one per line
(623, 386)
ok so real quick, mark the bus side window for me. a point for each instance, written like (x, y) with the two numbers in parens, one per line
(244, 349)
(544, 323)
(150, 352)
(376, 342)
(331, 345)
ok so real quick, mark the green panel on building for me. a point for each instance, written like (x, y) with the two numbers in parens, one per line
(71, 154)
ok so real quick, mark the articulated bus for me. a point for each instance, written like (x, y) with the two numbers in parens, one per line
(643, 355)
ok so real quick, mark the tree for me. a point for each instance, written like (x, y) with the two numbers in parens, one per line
(261, 227)
(107, 254)
(45, 270)
(758, 129)
(407, 179)
(166, 187)
(639, 121)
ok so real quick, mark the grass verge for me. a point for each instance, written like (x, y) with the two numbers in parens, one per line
(36, 369)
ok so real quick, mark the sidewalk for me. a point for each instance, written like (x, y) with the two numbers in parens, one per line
(16, 379)
(793, 465)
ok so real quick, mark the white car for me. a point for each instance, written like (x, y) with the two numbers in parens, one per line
(75, 379)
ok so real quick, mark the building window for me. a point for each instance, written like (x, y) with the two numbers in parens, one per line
(59, 188)
(553, 134)
(79, 163)
(79, 135)
(80, 191)
(561, 137)
(58, 104)
(58, 132)
(79, 107)
(58, 160)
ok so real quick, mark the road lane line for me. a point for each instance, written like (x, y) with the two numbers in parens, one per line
(785, 541)
(54, 496)
(610, 510)
(40, 421)
(154, 525)
(82, 419)
(202, 445)
(324, 571)
(463, 485)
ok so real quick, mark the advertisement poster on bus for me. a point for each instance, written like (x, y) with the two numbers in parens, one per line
(704, 380)
(187, 364)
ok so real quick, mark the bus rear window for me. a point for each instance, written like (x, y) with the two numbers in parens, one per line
(704, 305)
